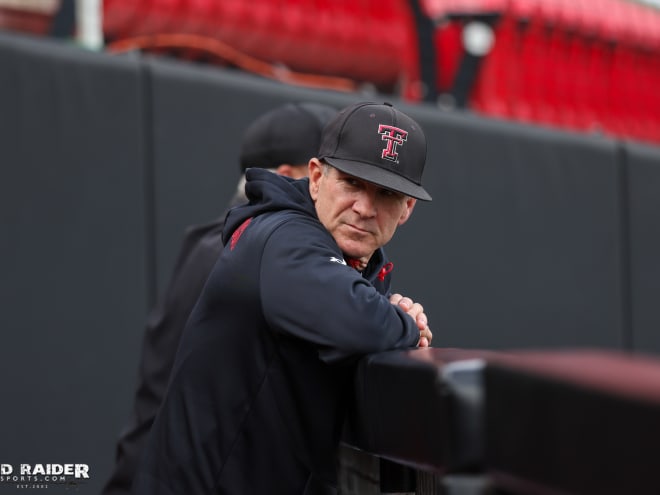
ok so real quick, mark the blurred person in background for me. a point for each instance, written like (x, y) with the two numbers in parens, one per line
(280, 140)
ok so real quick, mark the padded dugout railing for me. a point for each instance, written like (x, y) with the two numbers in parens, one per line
(571, 422)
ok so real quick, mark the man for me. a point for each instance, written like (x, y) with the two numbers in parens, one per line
(301, 291)
(281, 140)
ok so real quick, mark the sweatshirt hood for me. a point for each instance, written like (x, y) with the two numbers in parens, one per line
(267, 192)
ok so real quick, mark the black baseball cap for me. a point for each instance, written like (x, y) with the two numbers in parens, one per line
(290, 133)
(377, 143)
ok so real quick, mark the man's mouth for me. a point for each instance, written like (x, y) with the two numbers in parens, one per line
(358, 229)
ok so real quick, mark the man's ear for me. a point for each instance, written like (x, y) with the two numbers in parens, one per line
(315, 173)
(410, 205)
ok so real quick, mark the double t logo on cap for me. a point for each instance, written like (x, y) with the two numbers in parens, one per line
(394, 137)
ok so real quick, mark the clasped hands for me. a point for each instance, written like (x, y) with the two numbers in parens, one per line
(416, 312)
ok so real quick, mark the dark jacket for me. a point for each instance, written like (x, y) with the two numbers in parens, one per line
(198, 253)
(258, 392)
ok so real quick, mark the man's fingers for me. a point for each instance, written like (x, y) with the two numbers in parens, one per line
(416, 312)
(426, 335)
(395, 298)
(429, 335)
(406, 303)
(413, 309)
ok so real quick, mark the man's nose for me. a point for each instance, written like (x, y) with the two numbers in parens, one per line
(365, 204)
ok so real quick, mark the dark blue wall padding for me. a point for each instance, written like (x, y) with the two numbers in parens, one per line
(72, 253)
(643, 178)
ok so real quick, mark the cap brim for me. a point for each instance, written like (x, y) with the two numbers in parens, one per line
(380, 177)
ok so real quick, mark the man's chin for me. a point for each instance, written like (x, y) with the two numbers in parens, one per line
(356, 253)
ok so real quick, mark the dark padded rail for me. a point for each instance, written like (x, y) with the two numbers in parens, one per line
(531, 422)
(579, 422)
(421, 408)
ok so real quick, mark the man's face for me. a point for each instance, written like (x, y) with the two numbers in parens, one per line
(360, 215)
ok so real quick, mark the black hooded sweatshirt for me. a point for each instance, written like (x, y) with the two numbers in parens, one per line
(259, 389)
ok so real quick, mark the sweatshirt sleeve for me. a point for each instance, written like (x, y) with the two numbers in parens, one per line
(307, 293)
